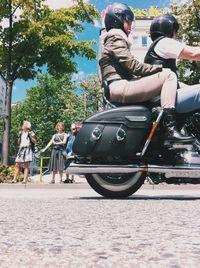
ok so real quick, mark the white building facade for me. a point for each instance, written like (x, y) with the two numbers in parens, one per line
(140, 38)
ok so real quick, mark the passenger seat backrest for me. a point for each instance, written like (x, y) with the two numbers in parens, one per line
(106, 95)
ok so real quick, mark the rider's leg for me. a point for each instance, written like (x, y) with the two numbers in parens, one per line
(146, 88)
(188, 99)
(161, 84)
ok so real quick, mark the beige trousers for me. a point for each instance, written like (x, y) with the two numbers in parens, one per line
(163, 84)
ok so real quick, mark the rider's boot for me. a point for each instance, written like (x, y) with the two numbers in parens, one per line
(171, 132)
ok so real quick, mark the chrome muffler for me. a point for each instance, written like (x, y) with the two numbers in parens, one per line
(181, 171)
(100, 169)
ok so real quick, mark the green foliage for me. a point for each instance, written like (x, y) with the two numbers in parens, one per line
(53, 100)
(34, 36)
(42, 36)
(7, 174)
(92, 96)
(188, 15)
(45, 105)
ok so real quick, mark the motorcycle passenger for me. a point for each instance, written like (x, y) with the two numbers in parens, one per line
(131, 81)
(165, 49)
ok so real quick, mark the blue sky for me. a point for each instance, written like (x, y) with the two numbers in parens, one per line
(86, 67)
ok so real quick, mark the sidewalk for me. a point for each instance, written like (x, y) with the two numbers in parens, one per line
(47, 178)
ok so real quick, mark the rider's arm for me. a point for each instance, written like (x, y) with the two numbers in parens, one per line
(169, 48)
(119, 49)
(190, 53)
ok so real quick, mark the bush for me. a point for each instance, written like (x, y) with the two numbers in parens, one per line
(7, 174)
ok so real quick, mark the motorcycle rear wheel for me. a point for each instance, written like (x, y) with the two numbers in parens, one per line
(116, 185)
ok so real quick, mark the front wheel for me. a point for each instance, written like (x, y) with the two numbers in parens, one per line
(116, 185)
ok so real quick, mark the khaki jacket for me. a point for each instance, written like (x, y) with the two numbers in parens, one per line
(117, 62)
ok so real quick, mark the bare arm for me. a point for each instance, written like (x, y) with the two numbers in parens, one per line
(32, 137)
(48, 145)
(19, 138)
(190, 53)
(119, 49)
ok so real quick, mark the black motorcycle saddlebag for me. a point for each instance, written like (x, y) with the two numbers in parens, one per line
(116, 132)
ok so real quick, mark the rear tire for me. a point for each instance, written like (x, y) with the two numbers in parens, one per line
(116, 185)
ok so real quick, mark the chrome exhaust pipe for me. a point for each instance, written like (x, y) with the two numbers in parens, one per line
(100, 169)
(181, 171)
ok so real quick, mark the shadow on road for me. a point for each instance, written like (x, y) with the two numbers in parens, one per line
(145, 197)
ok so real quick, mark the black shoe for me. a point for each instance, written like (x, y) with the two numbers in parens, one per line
(66, 181)
(171, 132)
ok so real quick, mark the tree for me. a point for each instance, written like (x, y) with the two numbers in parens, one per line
(36, 36)
(188, 15)
(45, 105)
(92, 96)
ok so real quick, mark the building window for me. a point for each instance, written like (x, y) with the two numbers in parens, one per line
(135, 40)
(144, 41)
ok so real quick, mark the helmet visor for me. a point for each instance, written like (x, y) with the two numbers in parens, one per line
(128, 15)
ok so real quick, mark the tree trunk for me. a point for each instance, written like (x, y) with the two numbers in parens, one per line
(9, 85)
(7, 120)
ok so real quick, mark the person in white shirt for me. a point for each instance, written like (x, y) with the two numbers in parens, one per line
(165, 50)
(131, 81)
(26, 139)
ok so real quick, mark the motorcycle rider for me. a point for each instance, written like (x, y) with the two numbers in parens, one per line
(165, 49)
(131, 81)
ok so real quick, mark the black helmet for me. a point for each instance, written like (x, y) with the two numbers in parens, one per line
(163, 25)
(116, 14)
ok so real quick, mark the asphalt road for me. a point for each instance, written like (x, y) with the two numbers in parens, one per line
(72, 226)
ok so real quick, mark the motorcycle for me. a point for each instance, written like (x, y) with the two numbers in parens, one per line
(119, 148)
